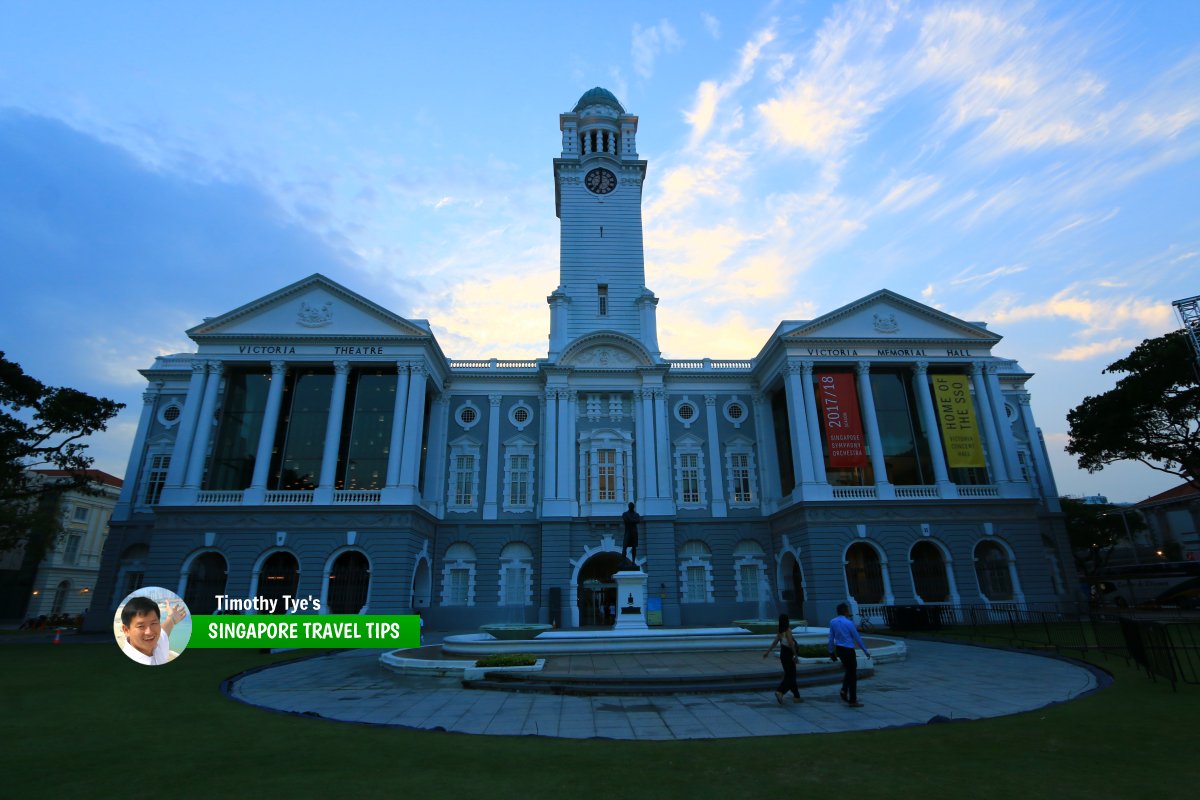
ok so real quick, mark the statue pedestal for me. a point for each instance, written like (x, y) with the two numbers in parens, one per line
(631, 600)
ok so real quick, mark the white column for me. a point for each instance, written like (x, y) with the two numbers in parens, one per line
(802, 465)
(715, 467)
(1045, 477)
(204, 428)
(435, 475)
(662, 444)
(257, 493)
(177, 471)
(1008, 444)
(133, 468)
(883, 487)
(641, 443)
(933, 436)
(768, 461)
(814, 422)
(396, 438)
(550, 450)
(491, 482)
(568, 427)
(414, 424)
(333, 434)
(648, 303)
(984, 413)
(564, 445)
(651, 443)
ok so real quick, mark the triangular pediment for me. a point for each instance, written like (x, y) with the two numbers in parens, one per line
(315, 306)
(885, 315)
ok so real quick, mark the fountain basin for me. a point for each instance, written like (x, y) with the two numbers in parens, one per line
(510, 631)
(769, 625)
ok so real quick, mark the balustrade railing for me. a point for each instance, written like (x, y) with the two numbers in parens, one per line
(492, 363)
(909, 492)
(978, 491)
(218, 498)
(854, 493)
(356, 496)
(289, 497)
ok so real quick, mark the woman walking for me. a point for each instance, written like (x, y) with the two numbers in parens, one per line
(788, 658)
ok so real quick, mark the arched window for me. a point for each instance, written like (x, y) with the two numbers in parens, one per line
(516, 574)
(131, 571)
(750, 571)
(992, 568)
(349, 583)
(458, 575)
(205, 580)
(279, 575)
(864, 574)
(928, 565)
(695, 572)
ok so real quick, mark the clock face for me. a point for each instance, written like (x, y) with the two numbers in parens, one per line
(600, 181)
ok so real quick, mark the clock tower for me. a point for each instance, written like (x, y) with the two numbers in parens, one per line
(598, 200)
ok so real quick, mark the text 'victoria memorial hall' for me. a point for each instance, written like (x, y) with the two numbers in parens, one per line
(317, 444)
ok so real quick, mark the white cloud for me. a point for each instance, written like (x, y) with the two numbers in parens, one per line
(650, 43)
(711, 24)
(1083, 352)
(970, 277)
(909, 192)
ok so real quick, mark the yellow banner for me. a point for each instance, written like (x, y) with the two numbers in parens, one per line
(956, 416)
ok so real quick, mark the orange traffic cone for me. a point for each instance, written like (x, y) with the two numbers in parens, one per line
(57, 636)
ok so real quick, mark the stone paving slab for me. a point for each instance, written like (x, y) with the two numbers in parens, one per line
(938, 679)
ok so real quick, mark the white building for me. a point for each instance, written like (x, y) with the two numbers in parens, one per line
(62, 580)
(320, 445)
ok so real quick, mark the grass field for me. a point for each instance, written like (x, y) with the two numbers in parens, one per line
(76, 721)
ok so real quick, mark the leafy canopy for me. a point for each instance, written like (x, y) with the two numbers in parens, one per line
(1152, 415)
(41, 427)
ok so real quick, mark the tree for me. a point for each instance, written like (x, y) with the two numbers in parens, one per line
(42, 427)
(1152, 415)
(1095, 529)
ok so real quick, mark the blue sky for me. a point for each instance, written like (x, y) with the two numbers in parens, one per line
(1032, 164)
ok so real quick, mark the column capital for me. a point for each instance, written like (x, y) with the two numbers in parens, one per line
(278, 368)
(1024, 400)
(572, 395)
(494, 400)
(152, 392)
(710, 400)
(637, 394)
(920, 367)
(341, 367)
(418, 368)
(976, 368)
(862, 367)
(758, 398)
(199, 366)
(806, 368)
(216, 367)
(791, 367)
(991, 368)
(551, 395)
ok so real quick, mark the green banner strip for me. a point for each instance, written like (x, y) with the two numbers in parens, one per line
(306, 630)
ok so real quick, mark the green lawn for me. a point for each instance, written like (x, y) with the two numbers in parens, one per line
(76, 721)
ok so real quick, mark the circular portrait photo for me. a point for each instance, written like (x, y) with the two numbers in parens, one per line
(152, 625)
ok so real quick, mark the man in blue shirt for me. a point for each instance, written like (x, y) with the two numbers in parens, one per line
(843, 637)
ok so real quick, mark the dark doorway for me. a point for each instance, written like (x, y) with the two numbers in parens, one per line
(598, 590)
(280, 575)
(349, 581)
(793, 592)
(206, 580)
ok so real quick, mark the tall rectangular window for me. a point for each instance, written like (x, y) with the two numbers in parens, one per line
(156, 477)
(367, 429)
(308, 411)
(459, 580)
(697, 589)
(464, 468)
(740, 465)
(750, 582)
(689, 478)
(72, 549)
(81, 513)
(602, 299)
(607, 474)
(518, 487)
(236, 446)
(514, 586)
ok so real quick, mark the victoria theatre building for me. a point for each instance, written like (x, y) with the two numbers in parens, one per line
(317, 444)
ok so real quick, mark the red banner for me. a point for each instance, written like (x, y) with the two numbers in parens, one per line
(837, 403)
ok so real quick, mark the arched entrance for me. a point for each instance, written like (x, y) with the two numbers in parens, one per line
(597, 590)
(279, 576)
(205, 580)
(422, 584)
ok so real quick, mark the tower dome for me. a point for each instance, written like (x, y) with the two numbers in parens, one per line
(598, 96)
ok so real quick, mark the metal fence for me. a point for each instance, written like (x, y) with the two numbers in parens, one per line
(1165, 643)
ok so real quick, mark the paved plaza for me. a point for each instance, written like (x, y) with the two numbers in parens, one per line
(937, 682)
